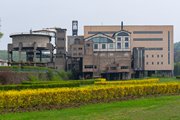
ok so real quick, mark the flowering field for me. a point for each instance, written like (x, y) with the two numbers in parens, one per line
(14, 100)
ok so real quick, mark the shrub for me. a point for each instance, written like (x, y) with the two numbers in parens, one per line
(177, 77)
(128, 82)
(25, 99)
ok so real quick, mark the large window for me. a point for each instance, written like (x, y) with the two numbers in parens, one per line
(95, 46)
(118, 45)
(101, 40)
(111, 46)
(103, 46)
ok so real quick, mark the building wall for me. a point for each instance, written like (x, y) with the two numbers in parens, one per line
(157, 40)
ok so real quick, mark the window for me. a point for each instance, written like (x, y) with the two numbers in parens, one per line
(126, 39)
(118, 45)
(124, 67)
(88, 66)
(146, 63)
(158, 56)
(152, 63)
(161, 63)
(161, 55)
(95, 46)
(103, 46)
(146, 56)
(148, 39)
(111, 46)
(152, 55)
(126, 45)
(158, 63)
(87, 45)
(119, 39)
(80, 48)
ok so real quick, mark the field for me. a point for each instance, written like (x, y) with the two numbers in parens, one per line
(153, 108)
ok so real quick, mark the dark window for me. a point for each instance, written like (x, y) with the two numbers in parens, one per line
(118, 45)
(119, 39)
(161, 62)
(113, 68)
(158, 63)
(80, 48)
(126, 39)
(153, 48)
(124, 67)
(146, 63)
(146, 56)
(158, 56)
(87, 45)
(152, 55)
(168, 47)
(152, 63)
(126, 45)
(89, 66)
(95, 46)
(161, 55)
(103, 46)
(147, 32)
(147, 39)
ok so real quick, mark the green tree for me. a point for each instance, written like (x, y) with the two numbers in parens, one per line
(1, 34)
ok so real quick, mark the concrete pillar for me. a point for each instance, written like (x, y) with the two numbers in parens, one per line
(20, 48)
(34, 56)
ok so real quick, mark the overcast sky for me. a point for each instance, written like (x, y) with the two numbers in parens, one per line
(23, 15)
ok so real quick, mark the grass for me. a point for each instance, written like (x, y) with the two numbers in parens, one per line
(153, 108)
(169, 79)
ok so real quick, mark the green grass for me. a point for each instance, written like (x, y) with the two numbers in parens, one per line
(154, 108)
(169, 79)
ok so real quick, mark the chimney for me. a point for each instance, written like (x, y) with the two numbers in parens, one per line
(121, 25)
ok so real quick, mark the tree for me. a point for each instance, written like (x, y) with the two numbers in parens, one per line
(1, 34)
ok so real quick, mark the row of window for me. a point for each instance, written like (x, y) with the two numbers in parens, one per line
(78, 48)
(158, 56)
(111, 46)
(147, 39)
(75, 54)
(120, 39)
(153, 63)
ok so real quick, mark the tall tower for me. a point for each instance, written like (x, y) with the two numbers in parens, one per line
(74, 28)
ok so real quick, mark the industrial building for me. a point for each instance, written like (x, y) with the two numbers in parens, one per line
(112, 52)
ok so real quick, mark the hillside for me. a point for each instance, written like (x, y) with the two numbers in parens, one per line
(177, 52)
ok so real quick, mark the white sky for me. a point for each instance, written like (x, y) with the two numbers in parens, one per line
(23, 15)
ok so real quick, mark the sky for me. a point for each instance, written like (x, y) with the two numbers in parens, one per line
(23, 15)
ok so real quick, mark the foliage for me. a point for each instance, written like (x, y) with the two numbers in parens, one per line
(177, 69)
(148, 81)
(1, 34)
(177, 52)
(46, 84)
(25, 99)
